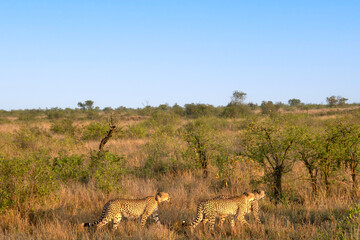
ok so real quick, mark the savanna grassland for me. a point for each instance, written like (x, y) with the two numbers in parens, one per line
(53, 177)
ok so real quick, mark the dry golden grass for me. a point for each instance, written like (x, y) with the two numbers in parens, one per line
(79, 203)
(321, 111)
(62, 214)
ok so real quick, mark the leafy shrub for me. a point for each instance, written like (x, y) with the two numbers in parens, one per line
(146, 111)
(271, 143)
(163, 121)
(225, 165)
(154, 167)
(28, 115)
(164, 155)
(26, 138)
(95, 131)
(106, 170)
(215, 123)
(92, 114)
(55, 113)
(234, 111)
(64, 126)
(199, 136)
(178, 110)
(347, 225)
(24, 182)
(4, 120)
(136, 131)
(269, 108)
(163, 118)
(68, 168)
(199, 110)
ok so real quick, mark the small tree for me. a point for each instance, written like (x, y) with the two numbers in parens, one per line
(270, 143)
(178, 109)
(306, 153)
(87, 105)
(198, 110)
(336, 101)
(341, 101)
(238, 98)
(332, 101)
(198, 136)
(328, 152)
(236, 106)
(294, 102)
(109, 133)
(350, 149)
(269, 108)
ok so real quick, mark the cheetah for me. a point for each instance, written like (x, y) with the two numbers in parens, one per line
(115, 210)
(223, 206)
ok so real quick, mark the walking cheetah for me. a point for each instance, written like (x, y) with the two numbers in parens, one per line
(223, 206)
(115, 210)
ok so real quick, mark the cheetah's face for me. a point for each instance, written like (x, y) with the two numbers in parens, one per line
(162, 197)
(259, 194)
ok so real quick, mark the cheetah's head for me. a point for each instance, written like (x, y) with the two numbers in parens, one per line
(162, 197)
(259, 194)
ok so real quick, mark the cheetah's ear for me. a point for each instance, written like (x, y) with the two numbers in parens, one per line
(157, 196)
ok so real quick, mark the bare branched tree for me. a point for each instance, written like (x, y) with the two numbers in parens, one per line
(108, 134)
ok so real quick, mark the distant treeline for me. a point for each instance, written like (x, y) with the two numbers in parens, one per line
(234, 109)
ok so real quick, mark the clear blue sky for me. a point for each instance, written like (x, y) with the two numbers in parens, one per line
(133, 53)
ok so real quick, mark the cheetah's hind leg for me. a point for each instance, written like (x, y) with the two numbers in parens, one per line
(116, 220)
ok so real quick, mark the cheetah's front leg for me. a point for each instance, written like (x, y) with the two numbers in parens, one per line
(241, 217)
(221, 221)
(156, 218)
(144, 217)
(212, 223)
(255, 210)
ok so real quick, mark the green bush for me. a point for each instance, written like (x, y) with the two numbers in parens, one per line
(136, 131)
(199, 136)
(347, 225)
(163, 118)
(64, 126)
(269, 108)
(92, 114)
(27, 137)
(163, 121)
(163, 155)
(70, 168)
(29, 115)
(178, 110)
(106, 170)
(225, 165)
(217, 124)
(4, 120)
(235, 111)
(95, 131)
(146, 111)
(55, 113)
(199, 110)
(24, 182)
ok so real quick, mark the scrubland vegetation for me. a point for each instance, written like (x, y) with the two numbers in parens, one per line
(306, 158)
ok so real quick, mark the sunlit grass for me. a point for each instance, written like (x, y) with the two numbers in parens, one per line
(61, 214)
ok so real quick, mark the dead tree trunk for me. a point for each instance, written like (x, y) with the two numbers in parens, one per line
(106, 138)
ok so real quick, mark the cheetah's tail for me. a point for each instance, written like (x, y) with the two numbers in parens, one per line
(199, 216)
(92, 224)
